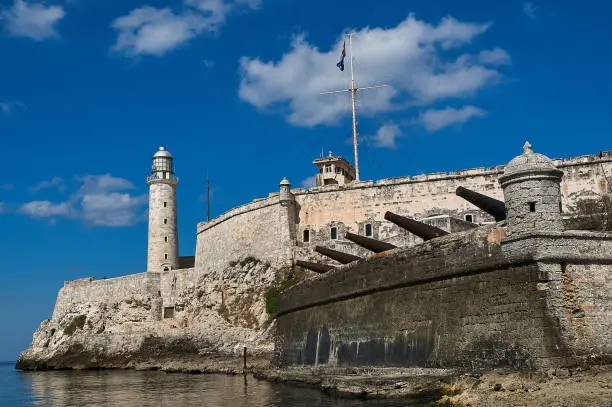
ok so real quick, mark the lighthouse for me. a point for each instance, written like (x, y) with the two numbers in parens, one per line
(162, 254)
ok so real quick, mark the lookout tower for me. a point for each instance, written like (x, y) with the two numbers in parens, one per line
(334, 170)
(163, 232)
(532, 193)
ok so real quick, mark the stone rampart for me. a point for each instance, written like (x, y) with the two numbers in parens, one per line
(251, 230)
(76, 293)
(351, 207)
(465, 300)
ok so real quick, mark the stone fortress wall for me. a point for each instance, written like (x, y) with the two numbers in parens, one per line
(248, 230)
(523, 293)
(272, 229)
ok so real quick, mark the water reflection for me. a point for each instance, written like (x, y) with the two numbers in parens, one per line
(131, 388)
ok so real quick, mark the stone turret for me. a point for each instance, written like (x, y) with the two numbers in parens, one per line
(163, 231)
(288, 220)
(532, 193)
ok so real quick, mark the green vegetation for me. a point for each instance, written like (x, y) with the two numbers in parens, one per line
(77, 322)
(280, 287)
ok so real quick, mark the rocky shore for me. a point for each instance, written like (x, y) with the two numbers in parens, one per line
(445, 387)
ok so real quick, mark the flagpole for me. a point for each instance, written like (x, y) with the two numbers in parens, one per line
(353, 91)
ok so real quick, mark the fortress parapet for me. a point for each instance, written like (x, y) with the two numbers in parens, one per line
(521, 295)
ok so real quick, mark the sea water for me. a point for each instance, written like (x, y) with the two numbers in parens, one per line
(153, 388)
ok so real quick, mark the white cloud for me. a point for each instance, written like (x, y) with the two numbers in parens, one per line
(148, 30)
(529, 9)
(309, 182)
(96, 184)
(207, 63)
(2, 207)
(434, 120)
(45, 209)
(32, 20)
(7, 187)
(96, 202)
(113, 209)
(386, 136)
(412, 58)
(496, 56)
(156, 31)
(8, 107)
(55, 182)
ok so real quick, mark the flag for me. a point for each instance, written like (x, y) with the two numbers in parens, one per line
(341, 63)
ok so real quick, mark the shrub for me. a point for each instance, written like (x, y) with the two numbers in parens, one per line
(275, 291)
(77, 322)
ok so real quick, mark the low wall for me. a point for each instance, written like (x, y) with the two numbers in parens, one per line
(173, 282)
(76, 293)
(462, 300)
(252, 230)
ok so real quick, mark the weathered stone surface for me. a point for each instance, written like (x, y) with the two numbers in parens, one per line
(215, 316)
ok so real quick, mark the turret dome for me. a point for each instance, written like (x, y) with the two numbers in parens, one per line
(528, 162)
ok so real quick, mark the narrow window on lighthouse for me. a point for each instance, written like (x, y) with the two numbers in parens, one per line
(165, 221)
(166, 256)
(165, 204)
(165, 238)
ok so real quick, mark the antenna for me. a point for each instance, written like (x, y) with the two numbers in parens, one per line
(207, 197)
(353, 91)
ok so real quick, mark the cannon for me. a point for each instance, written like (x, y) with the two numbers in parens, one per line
(492, 206)
(341, 257)
(316, 267)
(371, 244)
(422, 230)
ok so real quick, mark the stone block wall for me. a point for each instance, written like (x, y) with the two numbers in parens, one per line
(172, 283)
(252, 230)
(465, 300)
(74, 294)
(350, 207)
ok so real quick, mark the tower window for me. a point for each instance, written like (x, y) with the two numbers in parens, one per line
(306, 235)
(165, 256)
(469, 218)
(368, 229)
(168, 312)
(165, 204)
(334, 233)
(531, 206)
(165, 238)
(165, 221)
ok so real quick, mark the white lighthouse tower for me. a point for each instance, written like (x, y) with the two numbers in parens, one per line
(163, 232)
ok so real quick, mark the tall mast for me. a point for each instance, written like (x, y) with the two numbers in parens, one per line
(353, 92)
(207, 197)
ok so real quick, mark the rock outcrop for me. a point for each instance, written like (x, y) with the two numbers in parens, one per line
(214, 319)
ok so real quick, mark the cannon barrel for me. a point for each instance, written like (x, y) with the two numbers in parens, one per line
(371, 244)
(422, 230)
(341, 257)
(316, 267)
(492, 206)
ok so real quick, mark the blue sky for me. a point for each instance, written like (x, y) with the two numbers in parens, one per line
(89, 90)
